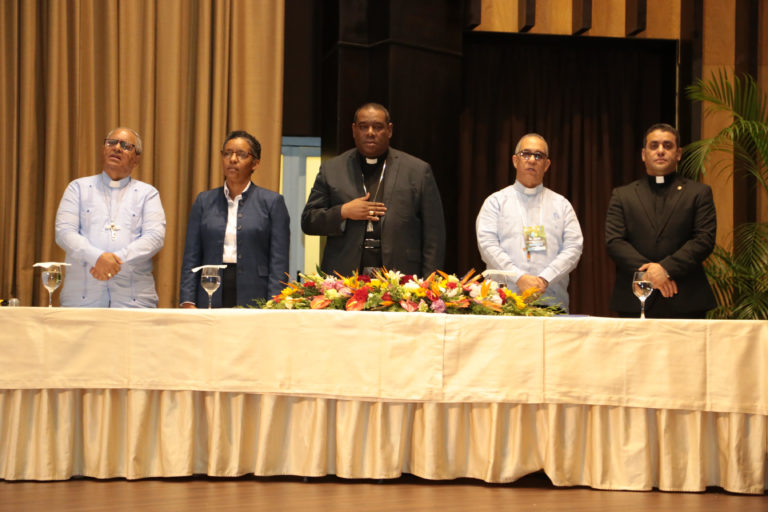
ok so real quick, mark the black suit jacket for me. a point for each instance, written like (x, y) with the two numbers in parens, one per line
(679, 239)
(412, 230)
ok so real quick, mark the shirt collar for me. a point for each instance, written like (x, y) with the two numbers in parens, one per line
(226, 191)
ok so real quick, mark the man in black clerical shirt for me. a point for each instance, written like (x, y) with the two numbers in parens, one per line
(663, 224)
(376, 205)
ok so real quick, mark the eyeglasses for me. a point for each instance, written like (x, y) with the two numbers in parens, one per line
(125, 146)
(241, 155)
(537, 155)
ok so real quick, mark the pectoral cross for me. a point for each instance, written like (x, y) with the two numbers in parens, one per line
(113, 228)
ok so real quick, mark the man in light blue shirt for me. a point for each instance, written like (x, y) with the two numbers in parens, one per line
(529, 233)
(111, 226)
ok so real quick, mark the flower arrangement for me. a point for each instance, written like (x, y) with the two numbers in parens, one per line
(392, 291)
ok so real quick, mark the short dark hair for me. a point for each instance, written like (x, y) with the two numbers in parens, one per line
(252, 142)
(374, 106)
(665, 128)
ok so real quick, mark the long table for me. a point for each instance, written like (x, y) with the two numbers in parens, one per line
(603, 402)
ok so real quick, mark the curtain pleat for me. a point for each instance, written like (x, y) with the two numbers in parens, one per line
(182, 73)
(55, 434)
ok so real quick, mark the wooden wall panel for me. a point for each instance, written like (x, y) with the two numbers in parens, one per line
(553, 17)
(663, 19)
(718, 53)
(608, 18)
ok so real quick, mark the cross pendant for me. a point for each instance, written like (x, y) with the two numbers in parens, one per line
(369, 228)
(113, 228)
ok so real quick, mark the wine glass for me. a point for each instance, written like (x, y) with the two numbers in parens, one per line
(642, 288)
(210, 281)
(51, 281)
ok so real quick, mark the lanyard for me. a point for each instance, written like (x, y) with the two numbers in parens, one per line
(523, 214)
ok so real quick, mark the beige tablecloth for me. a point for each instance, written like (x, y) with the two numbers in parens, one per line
(609, 403)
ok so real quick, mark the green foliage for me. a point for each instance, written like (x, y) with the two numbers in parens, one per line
(739, 275)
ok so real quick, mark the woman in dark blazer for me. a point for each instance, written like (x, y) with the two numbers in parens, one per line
(240, 225)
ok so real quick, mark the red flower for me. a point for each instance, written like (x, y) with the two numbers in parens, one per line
(386, 296)
(502, 295)
(357, 301)
(364, 278)
(407, 278)
(309, 284)
(361, 294)
(451, 285)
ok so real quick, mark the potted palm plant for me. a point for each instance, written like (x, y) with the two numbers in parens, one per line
(738, 273)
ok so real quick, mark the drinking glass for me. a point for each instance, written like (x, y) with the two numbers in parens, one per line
(210, 281)
(642, 288)
(51, 281)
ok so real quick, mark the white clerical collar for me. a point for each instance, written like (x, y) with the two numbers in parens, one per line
(660, 180)
(109, 182)
(528, 191)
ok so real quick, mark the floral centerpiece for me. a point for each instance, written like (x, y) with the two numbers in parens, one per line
(392, 291)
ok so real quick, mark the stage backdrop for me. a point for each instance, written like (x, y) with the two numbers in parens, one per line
(592, 99)
(181, 72)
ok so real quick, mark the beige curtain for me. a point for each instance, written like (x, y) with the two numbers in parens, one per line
(181, 72)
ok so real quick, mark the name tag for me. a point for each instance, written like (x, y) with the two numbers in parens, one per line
(535, 239)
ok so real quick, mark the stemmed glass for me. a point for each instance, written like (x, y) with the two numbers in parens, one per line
(210, 281)
(642, 288)
(51, 280)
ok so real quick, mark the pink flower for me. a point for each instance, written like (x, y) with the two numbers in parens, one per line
(409, 305)
(438, 306)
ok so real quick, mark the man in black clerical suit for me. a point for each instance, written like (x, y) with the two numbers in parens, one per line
(376, 205)
(663, 224)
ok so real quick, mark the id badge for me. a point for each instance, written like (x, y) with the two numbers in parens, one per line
(535, 239)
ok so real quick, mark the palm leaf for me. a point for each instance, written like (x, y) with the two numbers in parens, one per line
(739, 276)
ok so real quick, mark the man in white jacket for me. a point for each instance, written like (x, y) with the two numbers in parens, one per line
(529, 232)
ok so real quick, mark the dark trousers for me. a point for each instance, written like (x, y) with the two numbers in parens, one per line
(229, 286)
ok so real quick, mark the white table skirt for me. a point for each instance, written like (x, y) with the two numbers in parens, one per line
(607, 403)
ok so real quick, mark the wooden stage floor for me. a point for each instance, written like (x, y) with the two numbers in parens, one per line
(290, 494)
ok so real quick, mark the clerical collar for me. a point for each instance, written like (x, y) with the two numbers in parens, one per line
(662, 181)
(374, 161)
(109, 182)
(528, 191)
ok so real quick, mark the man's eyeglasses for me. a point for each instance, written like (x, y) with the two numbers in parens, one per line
(241, 155)
(537, 155)
(125, 146)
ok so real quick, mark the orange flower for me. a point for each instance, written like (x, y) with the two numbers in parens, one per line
(319, 302)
